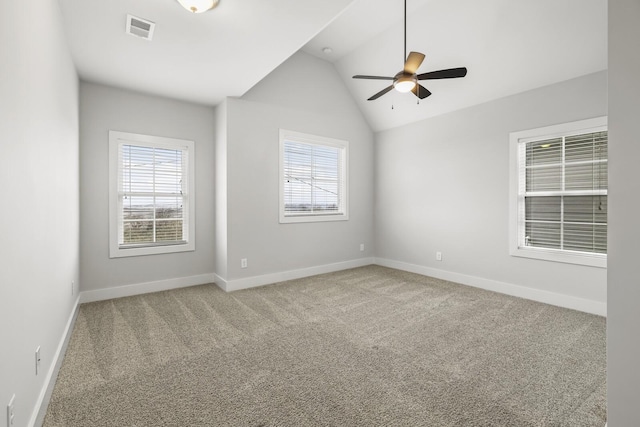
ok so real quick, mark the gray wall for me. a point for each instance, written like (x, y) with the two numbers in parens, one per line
(102, 109)
(304, 94)
(442, 184)
(39, 209)
(623, 322)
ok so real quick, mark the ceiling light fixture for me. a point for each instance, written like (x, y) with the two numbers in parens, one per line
(405, 82)
(198, 6)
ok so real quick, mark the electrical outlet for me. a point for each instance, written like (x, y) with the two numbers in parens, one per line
(37, 360)
(361, 247)
(243, 263)
(438, 256)
(10, 412)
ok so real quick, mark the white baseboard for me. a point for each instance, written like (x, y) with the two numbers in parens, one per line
(266, 279)
(222, 283)
(39, 411)
(145, 288)
(561, 300)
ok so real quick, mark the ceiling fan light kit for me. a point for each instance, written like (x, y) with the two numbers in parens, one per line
(404, 83)
(407, 79)
(198, 6)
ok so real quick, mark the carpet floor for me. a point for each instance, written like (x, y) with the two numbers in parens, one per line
(369, 346)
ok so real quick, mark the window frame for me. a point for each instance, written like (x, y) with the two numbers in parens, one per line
(516, 213)
(116, 139)
(304, 138)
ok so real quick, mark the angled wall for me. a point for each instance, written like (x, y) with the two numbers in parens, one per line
(39, 208)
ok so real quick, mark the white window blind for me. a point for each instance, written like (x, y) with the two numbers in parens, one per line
(313, 178)
(152, 195)
(151, 206)
(565, 193)
(562, 192)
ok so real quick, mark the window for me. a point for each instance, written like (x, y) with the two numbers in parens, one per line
(313, 178)
(151, 195)
(559, 193)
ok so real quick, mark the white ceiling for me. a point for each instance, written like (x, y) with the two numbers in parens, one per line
(358, 24)
(201, 58)
(508, 46)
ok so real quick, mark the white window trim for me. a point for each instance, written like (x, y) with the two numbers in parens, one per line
(316, 140)
(115, 139)
(556, 255)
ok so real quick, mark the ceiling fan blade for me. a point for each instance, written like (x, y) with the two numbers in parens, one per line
(379, 94)
(414, 60)
(420, 91)
(372, 77)
(450, 73)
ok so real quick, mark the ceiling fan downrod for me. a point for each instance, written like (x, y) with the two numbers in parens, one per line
(405, 32)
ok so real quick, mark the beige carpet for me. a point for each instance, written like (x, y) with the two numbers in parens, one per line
(364, 347)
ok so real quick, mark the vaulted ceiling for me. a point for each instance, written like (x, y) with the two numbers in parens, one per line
(508, 46)
(196, 57)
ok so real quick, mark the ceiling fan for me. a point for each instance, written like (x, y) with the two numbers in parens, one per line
(407, 79)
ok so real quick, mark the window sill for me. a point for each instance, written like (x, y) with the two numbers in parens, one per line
(312, 218)
(117, 252)
(580, 258)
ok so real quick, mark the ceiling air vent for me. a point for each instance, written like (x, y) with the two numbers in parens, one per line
(140, 27)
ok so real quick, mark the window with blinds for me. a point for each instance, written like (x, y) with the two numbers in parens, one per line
(151, 198)
(312, 178)
(562, 190)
